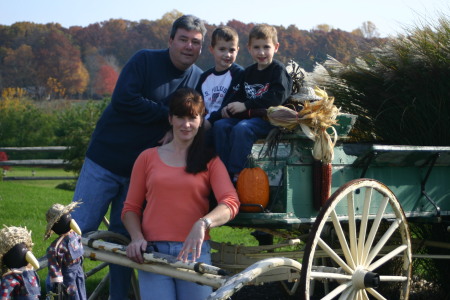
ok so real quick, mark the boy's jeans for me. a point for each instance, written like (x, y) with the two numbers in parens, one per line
(234, 138)
(160, 287)
(96, 189)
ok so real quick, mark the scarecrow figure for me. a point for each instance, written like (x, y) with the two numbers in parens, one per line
(19, 279)
(65, 255)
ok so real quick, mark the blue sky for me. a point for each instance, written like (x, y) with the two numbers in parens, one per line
(390, 16)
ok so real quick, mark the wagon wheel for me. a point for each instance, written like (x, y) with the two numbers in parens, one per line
(374, 247)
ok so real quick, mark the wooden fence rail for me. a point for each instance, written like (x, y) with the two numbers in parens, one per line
(35, 149)
(57, 163)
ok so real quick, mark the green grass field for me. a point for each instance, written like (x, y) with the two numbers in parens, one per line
(25, 203)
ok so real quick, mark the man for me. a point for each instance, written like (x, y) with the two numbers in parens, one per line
(136, 119)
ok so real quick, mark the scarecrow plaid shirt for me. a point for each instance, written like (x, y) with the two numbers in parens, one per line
(13, 285)
(59, 255)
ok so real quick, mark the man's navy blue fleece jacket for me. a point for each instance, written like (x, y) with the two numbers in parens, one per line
(137, 117)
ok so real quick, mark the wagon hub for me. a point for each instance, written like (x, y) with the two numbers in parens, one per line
(365, 279)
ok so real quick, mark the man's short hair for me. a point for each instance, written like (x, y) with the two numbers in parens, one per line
(225, 33)
(188, 22)
(263, 32)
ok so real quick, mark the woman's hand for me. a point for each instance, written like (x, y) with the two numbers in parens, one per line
(135, 250)
(193, 242)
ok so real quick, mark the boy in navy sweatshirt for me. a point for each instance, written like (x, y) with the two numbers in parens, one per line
(266, 83)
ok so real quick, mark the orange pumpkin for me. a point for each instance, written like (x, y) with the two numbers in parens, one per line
(253, 188)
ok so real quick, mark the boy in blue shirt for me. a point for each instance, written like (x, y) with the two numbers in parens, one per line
(219, 83)
(266, 83)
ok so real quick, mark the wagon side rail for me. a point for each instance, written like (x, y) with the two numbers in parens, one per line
(430, 160)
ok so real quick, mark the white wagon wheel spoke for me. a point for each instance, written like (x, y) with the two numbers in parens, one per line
(337, 291)
(387, 257)
(364, 295)
(352, 227)
(334, 256)
(372, 240)
(382, 241)
(376, 294)
(348, 293)
(342, 240)
(375, 227)
(364, 222)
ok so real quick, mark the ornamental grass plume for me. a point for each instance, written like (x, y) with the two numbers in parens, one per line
(314, 119)
(400, 91)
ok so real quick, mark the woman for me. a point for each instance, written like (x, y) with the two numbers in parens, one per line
(168, 199)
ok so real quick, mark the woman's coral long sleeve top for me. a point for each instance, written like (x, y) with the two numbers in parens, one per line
(169, 200)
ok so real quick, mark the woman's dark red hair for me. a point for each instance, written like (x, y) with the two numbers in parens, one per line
(188, 102)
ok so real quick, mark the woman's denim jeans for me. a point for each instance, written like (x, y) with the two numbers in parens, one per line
(158, 287)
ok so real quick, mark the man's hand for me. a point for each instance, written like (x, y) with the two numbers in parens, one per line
(167, 138)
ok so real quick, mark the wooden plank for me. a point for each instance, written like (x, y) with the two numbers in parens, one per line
(35, 162)
(35, 149)
(12, 178)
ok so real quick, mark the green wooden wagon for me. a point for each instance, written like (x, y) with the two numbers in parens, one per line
(357, 245)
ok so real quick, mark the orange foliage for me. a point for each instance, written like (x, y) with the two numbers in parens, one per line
(105, 80)
(31, 54)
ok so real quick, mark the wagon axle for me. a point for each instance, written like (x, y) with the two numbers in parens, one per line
(365, 279)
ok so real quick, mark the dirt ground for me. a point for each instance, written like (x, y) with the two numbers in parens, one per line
(420, 290)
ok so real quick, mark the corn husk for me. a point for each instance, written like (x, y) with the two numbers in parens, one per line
(314, 119)
(283, 116)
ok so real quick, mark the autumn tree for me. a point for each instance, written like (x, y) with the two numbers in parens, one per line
(19, 67)
(105, 80)
(117, 41)
(357, 32)
(169, 17)
(369, 30)
(51, 61)
(324, 27)
(341, 45)
(57, 58)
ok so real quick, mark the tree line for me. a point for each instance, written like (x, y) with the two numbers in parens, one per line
(48, 61)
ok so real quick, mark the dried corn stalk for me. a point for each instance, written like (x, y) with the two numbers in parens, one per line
(314, 119)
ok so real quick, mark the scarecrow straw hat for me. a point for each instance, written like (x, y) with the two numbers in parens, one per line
(55, 213)
(11, 236)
